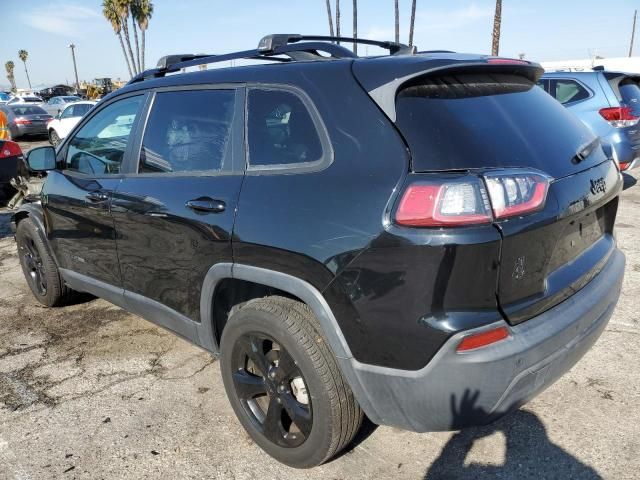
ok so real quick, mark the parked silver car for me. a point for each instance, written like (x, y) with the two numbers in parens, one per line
(26, 119)
(55, 105)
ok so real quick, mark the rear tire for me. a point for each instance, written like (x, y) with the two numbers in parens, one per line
(38, 266)
(311, 424)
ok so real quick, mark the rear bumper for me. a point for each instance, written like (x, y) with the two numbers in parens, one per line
(457, 390)
(38, 129)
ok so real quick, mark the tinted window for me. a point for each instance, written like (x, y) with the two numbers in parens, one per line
(28, 110)
(280, 129)
(4, 97)
(82, 109)
(188, 131)
(70, 99)
(98, 147)
(568, 91)
(630, 93)
(481, 120)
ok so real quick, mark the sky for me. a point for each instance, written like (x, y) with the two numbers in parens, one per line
(544, 30)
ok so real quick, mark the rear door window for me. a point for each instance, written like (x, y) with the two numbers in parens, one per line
(188, 131)
(474, 120)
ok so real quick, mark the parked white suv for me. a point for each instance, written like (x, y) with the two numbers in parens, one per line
(60, 126)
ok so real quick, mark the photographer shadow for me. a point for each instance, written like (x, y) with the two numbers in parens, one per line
(529, 451)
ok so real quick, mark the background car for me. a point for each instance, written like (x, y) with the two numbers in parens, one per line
(59, 127)
(55, 105)
(10, 158)
(607, 102)
(5, 97)
(22, 99)
(25, 119)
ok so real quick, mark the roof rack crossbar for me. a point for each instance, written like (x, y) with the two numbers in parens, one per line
(174, 63)
(271, 42)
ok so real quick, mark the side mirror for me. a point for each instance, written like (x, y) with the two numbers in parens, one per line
(41, 159)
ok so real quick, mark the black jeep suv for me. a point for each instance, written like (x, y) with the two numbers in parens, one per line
(422, 237)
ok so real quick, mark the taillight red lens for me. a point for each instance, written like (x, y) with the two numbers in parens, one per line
(624, 165)
(516, 193)
(482, 339)
(441, 204)
(467, 201)
(9, 149)
(506, 61)
(22, 121)
(619, 117)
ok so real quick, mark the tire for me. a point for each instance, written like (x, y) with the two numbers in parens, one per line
(54, 139)
(38, 266)
(286, 333)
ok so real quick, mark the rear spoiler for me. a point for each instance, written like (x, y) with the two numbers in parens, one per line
(383, 90)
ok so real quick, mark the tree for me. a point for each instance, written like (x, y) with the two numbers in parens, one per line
(113, 17)
(355, 25)
(23, 54)
(141, 11)
(122, 8)
(330, 17)
(497, 22)
(412, 23)
(338, 19)
(9, 66)
(397, 15)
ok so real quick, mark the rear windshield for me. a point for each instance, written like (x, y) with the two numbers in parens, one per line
(27, 110)
(630, 93)
(478, 120)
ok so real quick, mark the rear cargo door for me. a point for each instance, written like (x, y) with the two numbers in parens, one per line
(486, 121)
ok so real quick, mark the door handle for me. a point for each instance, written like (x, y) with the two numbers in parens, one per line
(97, 196)
(206, 204)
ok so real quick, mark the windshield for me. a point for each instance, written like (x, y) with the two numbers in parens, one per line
(473, 120)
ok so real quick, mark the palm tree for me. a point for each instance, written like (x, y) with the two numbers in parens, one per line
(23, 54)
(330, 17)
(497, 22)
(397, 12)
(141, 11)
(412, 23)
(122, 7)
(9, 66)
(111, 14)
(355, 25)
(338, 19)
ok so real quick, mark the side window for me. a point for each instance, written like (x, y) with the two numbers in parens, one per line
(68, 112)
(280, 129)
(568, 91)
(98, 147)
(81, 110)
(188, 131)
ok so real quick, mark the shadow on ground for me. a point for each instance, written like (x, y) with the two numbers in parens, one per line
(629, 181)
(529, 453)
(5, 228)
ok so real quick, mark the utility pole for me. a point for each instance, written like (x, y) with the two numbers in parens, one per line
(75, 68)
(633, 32)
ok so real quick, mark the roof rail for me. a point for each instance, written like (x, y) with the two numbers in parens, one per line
(273, 47)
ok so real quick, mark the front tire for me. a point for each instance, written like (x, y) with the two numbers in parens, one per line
(284, 383)
(38, 266)
(54, 138)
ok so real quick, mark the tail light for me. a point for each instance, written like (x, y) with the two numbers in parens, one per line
(516, 192)
(447, 203)
(468, 200)
(22, 121)
(10, 149)
(619, 117)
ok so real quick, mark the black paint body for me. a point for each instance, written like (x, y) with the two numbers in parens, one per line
(397, 293)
